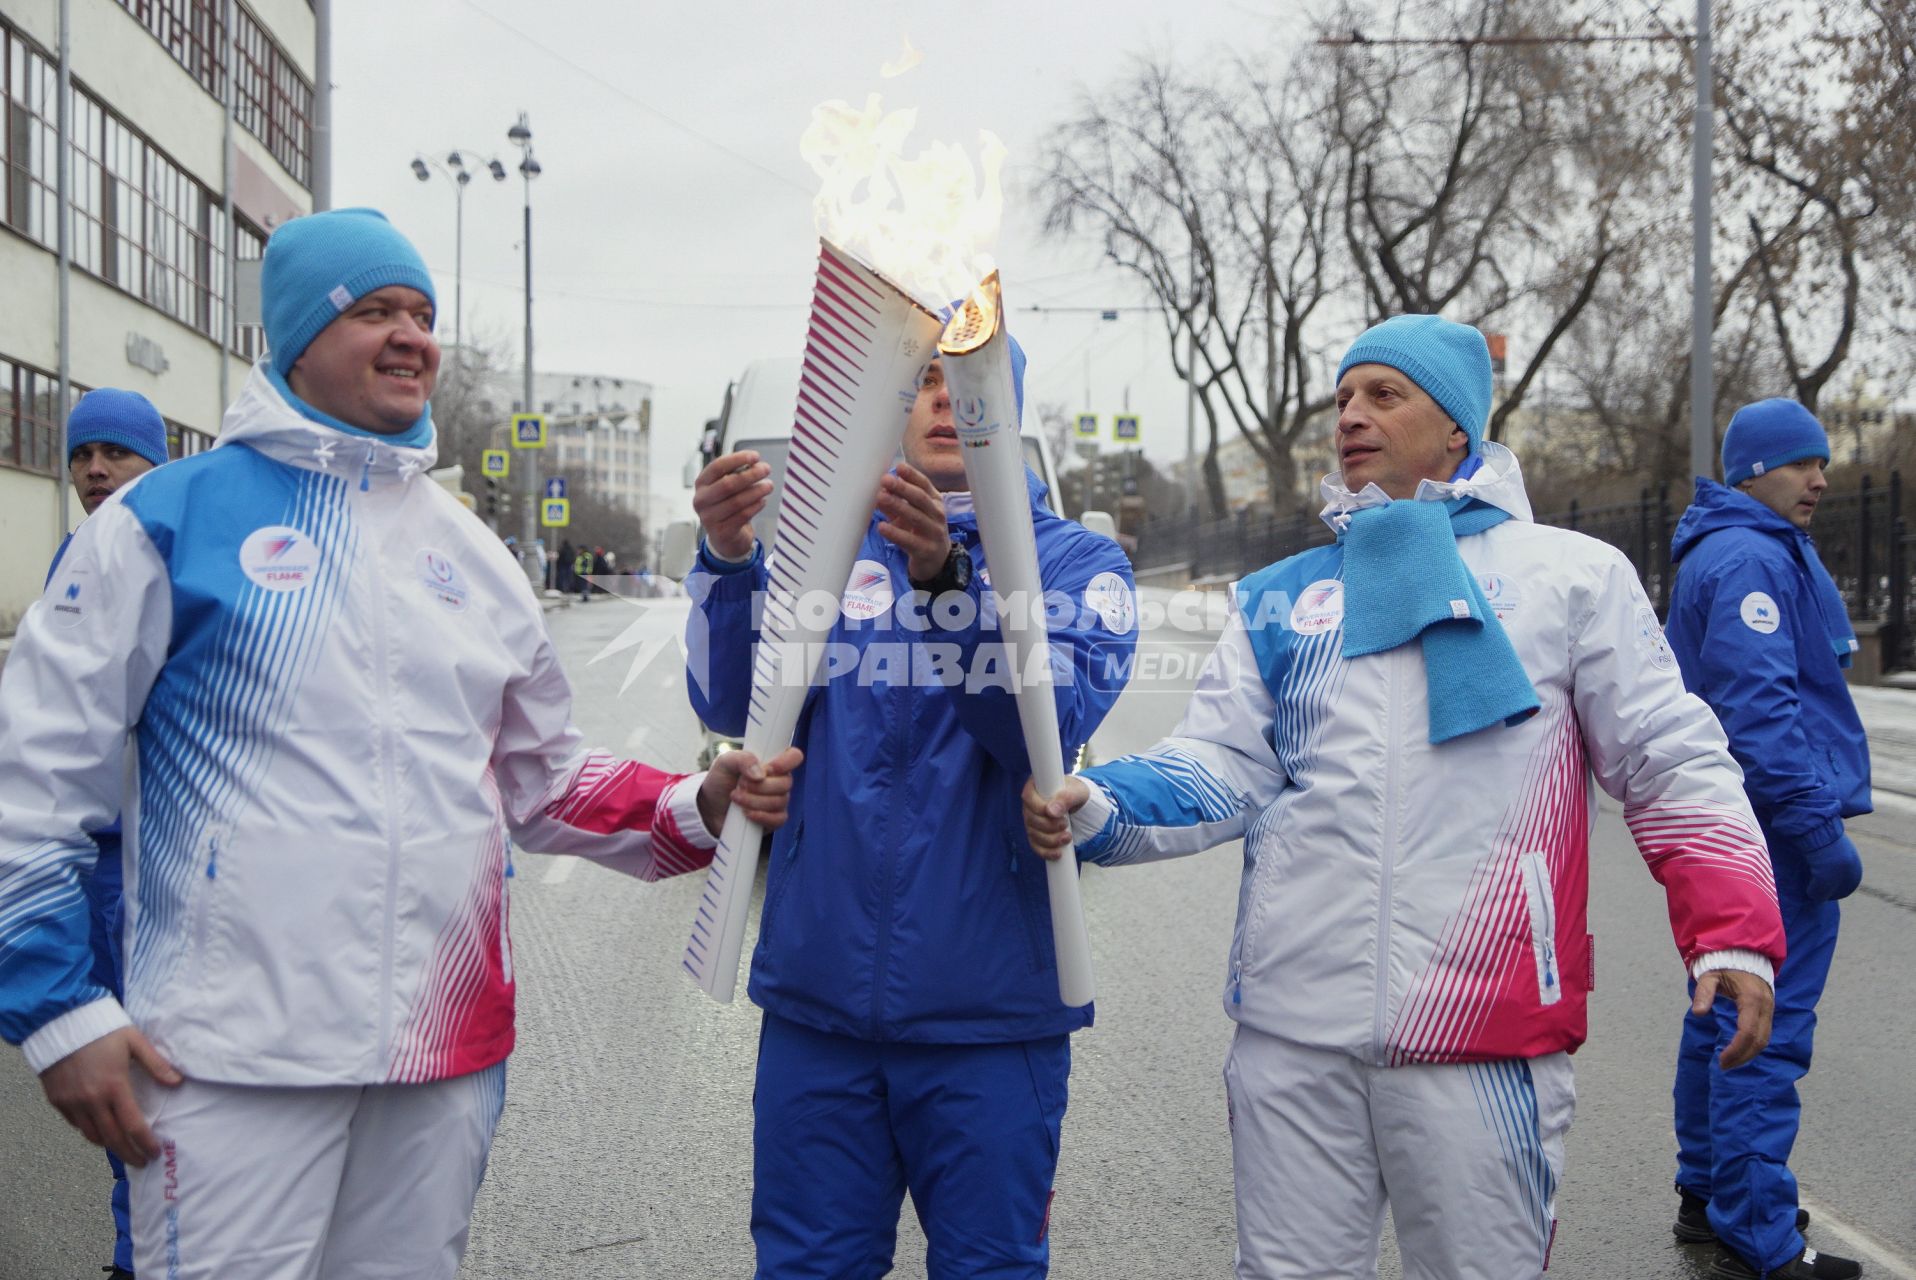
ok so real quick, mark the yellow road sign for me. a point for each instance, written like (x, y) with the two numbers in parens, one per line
(528, 431)
(555, 513)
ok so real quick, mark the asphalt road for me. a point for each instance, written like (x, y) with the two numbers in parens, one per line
(625, 1147)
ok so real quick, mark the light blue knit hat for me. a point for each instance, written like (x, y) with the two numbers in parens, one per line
(108, 415)
(1450, 361)
(319, 265)
(1770, 434)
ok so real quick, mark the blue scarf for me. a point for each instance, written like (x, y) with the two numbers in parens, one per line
(1404, 580)
(1829, 600)
(417, 436)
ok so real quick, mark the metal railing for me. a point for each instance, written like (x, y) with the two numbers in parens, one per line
(1860, 535)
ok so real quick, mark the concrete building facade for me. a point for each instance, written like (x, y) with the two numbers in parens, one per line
(152, 284)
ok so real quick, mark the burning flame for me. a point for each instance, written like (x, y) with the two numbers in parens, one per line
(925, 222)
(907, 58)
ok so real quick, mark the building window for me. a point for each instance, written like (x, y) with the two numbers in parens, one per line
(30, 418)
(249, 245)
(183, 441)
(273, 102)
(140, 222)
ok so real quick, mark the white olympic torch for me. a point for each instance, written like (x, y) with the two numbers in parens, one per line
(977, 364)
(866, 347)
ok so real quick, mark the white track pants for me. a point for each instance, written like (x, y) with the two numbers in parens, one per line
(1467, 1158)
(368, 1182)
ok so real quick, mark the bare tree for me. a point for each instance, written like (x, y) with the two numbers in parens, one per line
(1218, 197)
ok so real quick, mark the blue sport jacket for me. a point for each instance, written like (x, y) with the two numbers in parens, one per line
(904, 902)
(1753, 643)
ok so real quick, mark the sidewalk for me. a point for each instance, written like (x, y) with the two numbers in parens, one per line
(1889, 718)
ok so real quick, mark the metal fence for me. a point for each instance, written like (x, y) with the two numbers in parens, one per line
(1860, 535)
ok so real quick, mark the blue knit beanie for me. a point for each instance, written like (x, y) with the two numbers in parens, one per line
(1770, 434)
(1450, 361)
(107, 415)
(319, 265)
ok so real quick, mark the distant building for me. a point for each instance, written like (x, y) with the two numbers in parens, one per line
(151, 284)
(598, 426)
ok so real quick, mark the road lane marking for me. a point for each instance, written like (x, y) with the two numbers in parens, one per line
(1879, 1255)
(563, 865)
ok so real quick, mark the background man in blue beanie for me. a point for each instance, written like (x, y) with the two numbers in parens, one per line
(913, 1036)
(113, 438)
(1763, 636)
(341, 703)
(1404, 727)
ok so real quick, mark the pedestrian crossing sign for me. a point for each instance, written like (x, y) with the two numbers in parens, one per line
(528, 431)
(555, 513)
(496, 462)
(1088, 426)
(1124, 427)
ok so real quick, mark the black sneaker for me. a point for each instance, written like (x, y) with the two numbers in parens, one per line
(116, 1272)
(1693, 1222)
(1809, 1265)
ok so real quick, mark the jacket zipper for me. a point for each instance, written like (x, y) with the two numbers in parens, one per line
(881, 955)
(1543, 925)
(1387, 851)
(390, 780)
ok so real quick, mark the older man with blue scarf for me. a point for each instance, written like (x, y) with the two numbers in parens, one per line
(1403, 727)
(1762, 635)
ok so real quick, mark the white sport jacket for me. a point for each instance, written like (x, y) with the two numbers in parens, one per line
(324, 698)
(1406, 902)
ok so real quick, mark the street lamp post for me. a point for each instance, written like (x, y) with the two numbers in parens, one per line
(455, 170)
(521, 136)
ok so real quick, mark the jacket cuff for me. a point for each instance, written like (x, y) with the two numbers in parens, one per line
(717, 565)
(680, 822)
(1735, 958)
(1089, 823)
(74, 1029)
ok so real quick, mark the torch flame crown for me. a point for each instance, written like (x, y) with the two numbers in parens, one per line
(976, 320)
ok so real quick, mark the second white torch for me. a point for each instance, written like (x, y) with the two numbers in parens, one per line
(977, 361)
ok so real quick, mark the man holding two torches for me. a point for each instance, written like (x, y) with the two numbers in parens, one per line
(913, 1032)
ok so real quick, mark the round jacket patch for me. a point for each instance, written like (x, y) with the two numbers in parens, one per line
(868, 592)
(1110, 598)
(1760, 613)
(1320, 608)
(441, 579)
(279, 558)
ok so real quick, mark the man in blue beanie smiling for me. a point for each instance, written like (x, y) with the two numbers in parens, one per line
(113, 438)
(342, 707)
(1404, 727)
(1762, 635)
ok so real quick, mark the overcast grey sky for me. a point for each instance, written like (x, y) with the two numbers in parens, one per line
(672, 227)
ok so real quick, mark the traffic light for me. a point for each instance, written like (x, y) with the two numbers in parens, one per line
(498, 499)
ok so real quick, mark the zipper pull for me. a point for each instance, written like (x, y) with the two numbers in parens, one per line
(366, 475)
(1237, 984)
(212, 858)
(1549, 963)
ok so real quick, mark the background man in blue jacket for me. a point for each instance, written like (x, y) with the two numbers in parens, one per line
(913, 1034)
(113, 438)
(1762, 635)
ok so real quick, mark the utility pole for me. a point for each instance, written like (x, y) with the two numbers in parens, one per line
(322, 105)
(63, 239)
(1702, 283)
